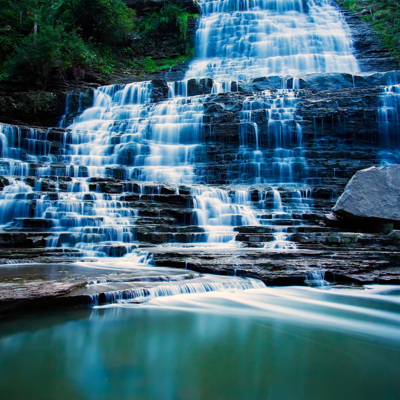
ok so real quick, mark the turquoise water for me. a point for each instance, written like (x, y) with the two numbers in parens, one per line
(273, 343)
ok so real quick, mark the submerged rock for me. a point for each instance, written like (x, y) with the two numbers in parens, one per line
(371, 198)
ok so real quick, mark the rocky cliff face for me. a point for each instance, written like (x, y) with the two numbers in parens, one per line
(371, 198)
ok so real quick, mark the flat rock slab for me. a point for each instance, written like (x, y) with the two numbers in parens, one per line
(358, 265)
(373, 195)
(53, 285)
(25, 287)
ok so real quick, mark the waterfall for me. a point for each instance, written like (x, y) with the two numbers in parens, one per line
(270, 153)
(123, 132)
(200, 284)
(239, 39)
(389, 123)
(316, 277)
(218, 213)
(125, 135)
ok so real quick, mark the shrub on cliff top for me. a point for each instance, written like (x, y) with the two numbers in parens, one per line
(43, 39)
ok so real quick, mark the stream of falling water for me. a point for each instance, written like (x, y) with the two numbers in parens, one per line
(238, 40)
(388, 117)
(125, 135)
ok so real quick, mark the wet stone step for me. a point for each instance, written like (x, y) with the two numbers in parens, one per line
(12, 255)
(310, 216)
(167, 229)
(34, 223)
(279, 222)
(308, 228)
(180, 216)
(24, 239)
(155, 221)
(278, 228)
(346, 239)
(113, 250)
(256, 238)
(254, 229)
(168, 237)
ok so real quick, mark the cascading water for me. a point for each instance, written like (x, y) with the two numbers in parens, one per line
(244, 40)
(125, 135)
(269, 152)
(131, 138)
(238, 40)
(129, 293)
(218, 213)
(389, 122)
(90, 188)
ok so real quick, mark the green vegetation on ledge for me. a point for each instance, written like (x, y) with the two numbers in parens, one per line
(48, 40)
(385, 18)
(161, 38)
(148, 64)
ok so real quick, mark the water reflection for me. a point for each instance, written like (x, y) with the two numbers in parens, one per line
(274, 343)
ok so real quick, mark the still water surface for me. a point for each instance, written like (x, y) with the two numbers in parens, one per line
(272, 343)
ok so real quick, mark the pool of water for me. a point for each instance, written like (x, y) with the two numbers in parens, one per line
(272, 343)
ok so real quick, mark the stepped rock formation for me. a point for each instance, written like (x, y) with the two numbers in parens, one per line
(230, 170)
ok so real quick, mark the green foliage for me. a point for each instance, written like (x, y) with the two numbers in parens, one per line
(50, 51)
(351, 4)
(170, 18)
(4, 76)
(41, 40)
(46, 39)
(158, 30)
(101, 21)
(385, 18)
(148, 64)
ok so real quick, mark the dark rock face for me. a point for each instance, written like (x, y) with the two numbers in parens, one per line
(372, 197)
(160, 90)
(199, 86)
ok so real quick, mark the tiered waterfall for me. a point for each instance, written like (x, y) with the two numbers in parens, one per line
(220, 175)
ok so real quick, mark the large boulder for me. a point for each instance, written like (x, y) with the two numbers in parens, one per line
(371, 198)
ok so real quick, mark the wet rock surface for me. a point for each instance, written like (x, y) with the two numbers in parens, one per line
(293, 268)
(337, 257)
